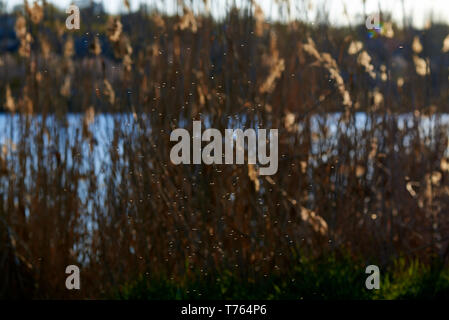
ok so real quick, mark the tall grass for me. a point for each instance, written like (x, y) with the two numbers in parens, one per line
(353, 174)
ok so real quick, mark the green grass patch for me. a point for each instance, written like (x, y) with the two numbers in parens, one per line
(330, 278)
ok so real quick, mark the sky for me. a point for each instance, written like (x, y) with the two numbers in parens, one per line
(419, 10)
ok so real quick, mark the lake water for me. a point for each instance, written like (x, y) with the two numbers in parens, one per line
(97, 158)
(104, 124)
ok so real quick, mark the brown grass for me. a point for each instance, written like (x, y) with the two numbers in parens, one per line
(377, 189)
